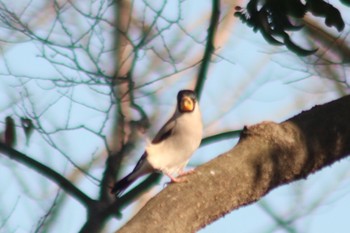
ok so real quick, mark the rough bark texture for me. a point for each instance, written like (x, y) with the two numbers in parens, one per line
(267, 155)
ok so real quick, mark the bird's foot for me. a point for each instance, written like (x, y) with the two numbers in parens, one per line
(176, 179)
(185, 173)
(180, 177)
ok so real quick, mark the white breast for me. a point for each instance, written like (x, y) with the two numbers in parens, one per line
(171, 155)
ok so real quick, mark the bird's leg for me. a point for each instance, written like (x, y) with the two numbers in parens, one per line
(175, 179)
(185, 173)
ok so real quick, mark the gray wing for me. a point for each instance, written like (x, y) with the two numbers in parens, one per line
(165, 131)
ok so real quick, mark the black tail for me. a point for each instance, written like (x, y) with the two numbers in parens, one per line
(122, 184)
(142, 167)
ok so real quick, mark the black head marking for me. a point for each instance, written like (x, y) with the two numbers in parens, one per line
(186, 93)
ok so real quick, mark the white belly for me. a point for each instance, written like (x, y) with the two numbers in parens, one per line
(170, 157)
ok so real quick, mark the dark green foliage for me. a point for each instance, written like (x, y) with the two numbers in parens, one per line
(345, 2)
(274, 18)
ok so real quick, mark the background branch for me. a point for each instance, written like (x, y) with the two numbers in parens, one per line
(62, 182)
(209, 49)
(220, 136)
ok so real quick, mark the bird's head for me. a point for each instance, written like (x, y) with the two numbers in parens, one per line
(186, 101)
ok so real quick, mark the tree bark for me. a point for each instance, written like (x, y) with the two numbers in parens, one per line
(267, 155)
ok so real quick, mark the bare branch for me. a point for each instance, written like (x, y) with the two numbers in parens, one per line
(209, 49)
(62, 182)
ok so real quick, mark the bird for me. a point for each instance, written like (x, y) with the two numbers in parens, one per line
(172, 147)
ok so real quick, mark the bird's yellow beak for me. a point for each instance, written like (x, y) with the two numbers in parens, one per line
(187, 104)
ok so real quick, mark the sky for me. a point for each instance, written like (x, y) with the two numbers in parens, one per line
(248, 82)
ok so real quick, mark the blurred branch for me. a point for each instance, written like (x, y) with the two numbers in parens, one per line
(121, 127)
(62, 182)
(5, 219)
(275, 216)
(220, 137)
(42, 225)
(134, 193)
(209, 49)
(299, 210)
(98, 216)
(326, 40)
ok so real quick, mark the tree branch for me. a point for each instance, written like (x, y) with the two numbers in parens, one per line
(62, 182)
(267, 155)
(220, 136)
(121, 129)
(209, 49)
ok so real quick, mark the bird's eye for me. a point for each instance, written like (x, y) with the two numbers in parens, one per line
(187, 104)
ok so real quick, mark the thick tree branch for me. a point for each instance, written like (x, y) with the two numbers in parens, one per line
(268, 155)
(209, 49)
(62, 182)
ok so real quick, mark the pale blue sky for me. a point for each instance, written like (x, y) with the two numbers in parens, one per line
(250, 82)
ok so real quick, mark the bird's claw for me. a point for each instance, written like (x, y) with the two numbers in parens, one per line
(185, 173)
(177, 180)
(180, 178)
